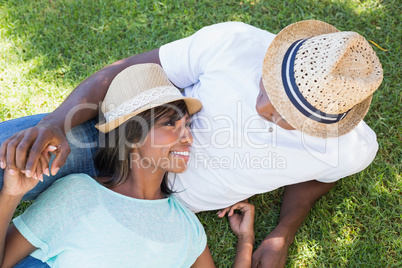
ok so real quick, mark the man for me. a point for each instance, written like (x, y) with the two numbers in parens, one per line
(313, 86)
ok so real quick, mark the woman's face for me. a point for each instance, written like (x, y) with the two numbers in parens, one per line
(267, 111)
(166, 147)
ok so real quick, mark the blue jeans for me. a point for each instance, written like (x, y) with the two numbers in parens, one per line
(31, 262)
(83, 141)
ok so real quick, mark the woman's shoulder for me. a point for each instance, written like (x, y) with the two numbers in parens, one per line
(76, 180)
(74, 186)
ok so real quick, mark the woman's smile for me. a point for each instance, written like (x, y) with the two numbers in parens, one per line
(181, 154)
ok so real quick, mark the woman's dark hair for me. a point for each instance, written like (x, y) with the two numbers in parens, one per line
(112, 159)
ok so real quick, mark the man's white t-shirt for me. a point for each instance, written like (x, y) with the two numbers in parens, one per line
(237, 154)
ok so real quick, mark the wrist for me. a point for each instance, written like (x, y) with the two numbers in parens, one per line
(52, 122)
(247, 238)
(55, 125)
(9, 197)
(284, 233)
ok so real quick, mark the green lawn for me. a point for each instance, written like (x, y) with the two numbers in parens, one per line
(48, 47)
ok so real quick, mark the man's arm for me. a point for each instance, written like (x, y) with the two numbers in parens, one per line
(298, 199)
(22, 150)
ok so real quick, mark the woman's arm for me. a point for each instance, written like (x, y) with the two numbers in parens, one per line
(244, 252)
(16, 248)
(204, 260)
(242, 225)
(13, 246)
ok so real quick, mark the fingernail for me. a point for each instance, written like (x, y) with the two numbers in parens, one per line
(52, 148)
(34, 176)
(46, 172)
(2, 165)
(41, 178)
(12, 172)
(28, 174)
(55, 171)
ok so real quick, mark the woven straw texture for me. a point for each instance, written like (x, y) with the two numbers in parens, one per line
(334, 71)
(136, 89)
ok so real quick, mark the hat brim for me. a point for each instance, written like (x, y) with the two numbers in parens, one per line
(193, 106)
(272, 80)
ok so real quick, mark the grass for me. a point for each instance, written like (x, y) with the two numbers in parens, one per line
(48, 47)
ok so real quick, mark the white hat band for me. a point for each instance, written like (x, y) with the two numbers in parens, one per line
(141, 100)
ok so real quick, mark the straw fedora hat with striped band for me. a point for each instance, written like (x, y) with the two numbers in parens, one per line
(319, 79)
(136, 89)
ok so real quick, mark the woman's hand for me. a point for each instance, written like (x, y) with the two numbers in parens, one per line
(242, 223)
(17, 183)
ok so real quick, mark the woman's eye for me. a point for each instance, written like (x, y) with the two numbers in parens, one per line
(169, 123)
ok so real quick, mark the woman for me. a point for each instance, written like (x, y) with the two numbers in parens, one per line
(128, 217)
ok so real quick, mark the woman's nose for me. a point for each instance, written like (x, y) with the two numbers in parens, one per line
(187, 136)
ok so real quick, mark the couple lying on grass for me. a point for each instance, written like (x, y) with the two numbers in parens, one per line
(289, 96)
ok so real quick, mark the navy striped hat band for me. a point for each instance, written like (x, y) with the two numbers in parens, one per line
(293, 92)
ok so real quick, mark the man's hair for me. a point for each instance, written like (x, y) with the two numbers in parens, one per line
(112, 159)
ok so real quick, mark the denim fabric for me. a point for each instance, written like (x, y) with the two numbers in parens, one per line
(31, 262)
(83, 140)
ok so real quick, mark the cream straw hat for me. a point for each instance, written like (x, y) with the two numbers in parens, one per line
(136, 89)
(319, 79)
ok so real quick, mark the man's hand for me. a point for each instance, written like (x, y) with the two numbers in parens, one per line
(23, 151)
(298, 199)
(272, 252)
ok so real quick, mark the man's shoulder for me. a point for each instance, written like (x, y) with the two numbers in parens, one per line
(361, 134)
(235, 27)
(358, 148)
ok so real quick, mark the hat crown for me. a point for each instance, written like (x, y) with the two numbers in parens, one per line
(336, 71)
(332, 88)
(133, 81)
(136, 89)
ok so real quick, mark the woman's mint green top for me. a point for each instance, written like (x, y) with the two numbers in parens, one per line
(77, 222)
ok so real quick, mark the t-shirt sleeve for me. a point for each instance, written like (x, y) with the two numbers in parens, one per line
(355, 155)
(202, 239)
(185, 60)
(199, 231)
(199, 237)
(55, 213)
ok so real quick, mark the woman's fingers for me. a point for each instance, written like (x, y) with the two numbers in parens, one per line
(38, 173)
(223, 212)
(243, 207)
(45, 165)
